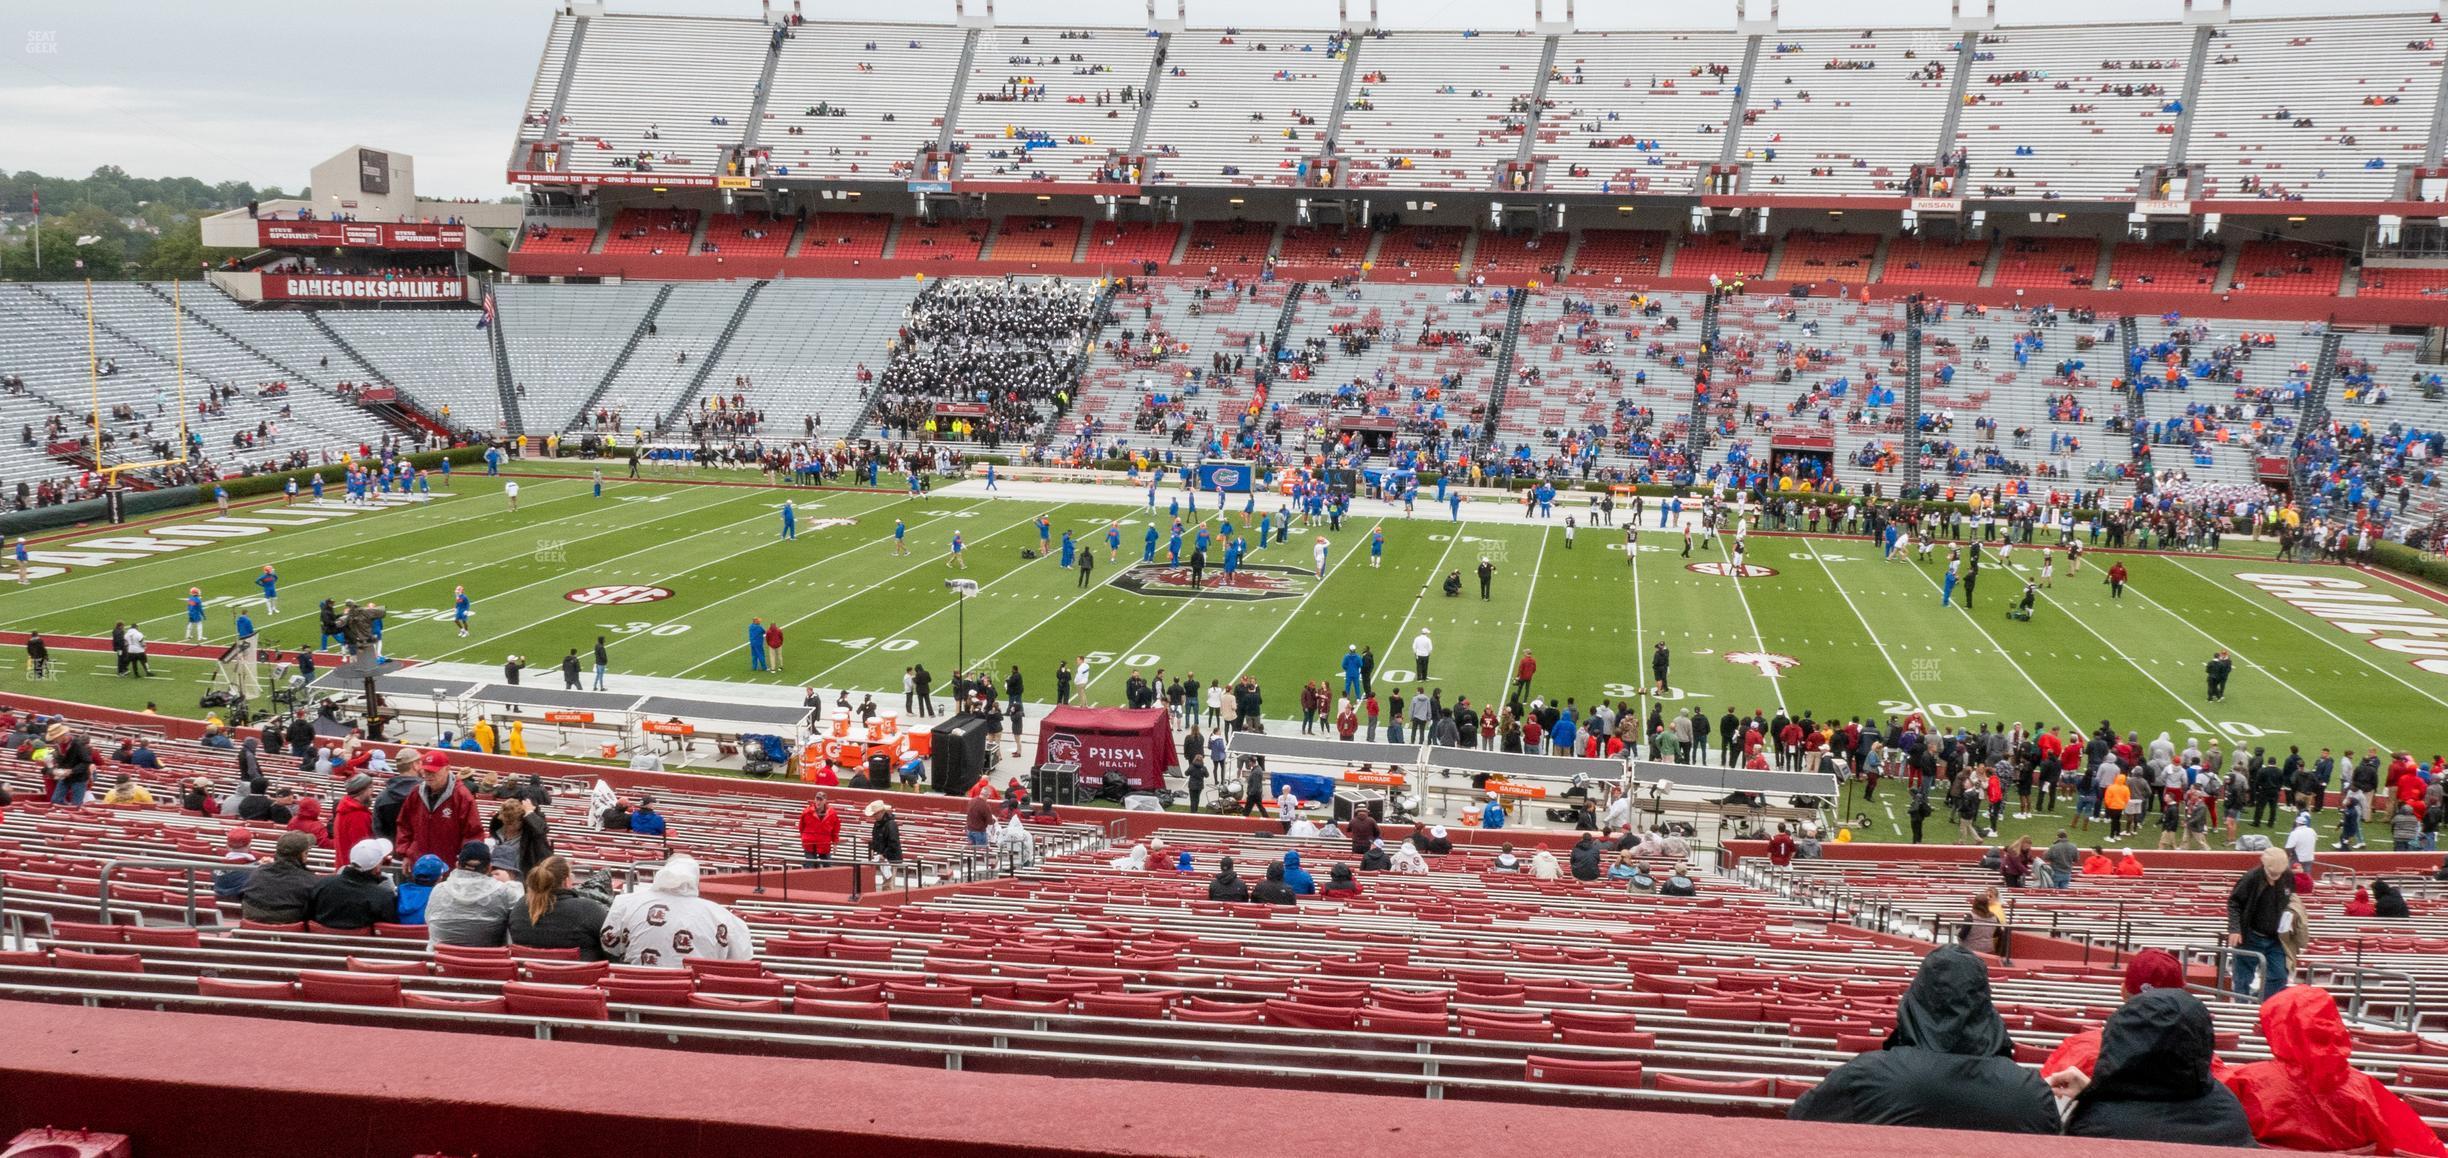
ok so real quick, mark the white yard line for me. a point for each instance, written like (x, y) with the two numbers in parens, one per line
(1522, 631)
(2241, 658)
(2047, 595)
(2054, 706)
(2326, 638)
(821, 560)
(1725, 550)
(1395, 647)
(564, 577)
(915, 624)
(1358, 545)
(1910, 696)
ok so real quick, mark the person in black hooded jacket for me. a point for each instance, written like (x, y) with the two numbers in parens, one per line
(2153, 1079)
(2388, 902)
(1273, 890)
(1226, 886)
(1948, 1063)
(1585, 865)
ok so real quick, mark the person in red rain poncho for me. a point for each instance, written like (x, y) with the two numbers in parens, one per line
(2308, 1098)
(2149, 969)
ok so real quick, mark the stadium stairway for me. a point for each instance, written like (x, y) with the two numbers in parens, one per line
(706, 363)
(512, 421)
(1147, 94)
(612, 372)
(1504, 373)
(367, 367)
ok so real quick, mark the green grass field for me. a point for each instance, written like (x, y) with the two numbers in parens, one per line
(1866, 637)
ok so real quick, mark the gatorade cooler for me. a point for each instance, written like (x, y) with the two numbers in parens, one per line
(841, 727)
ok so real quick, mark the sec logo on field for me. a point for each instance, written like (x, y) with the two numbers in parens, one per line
(1746, 571)
(622, 593)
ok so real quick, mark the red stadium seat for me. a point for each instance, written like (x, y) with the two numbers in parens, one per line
(578, 1002)
(454, 1004)
(724, 985)
(245, 990)
(1120, 1004)
(567, 972)
(1299, 1015)
(348, 988)
(857, 1010)
(630, 991)
(164, 936)
(735, 1004)
(96, 961)
(82, 931)
(944, 996)
(468, 970)
(393, 968)
(1408, 1024)
(1474, 1025)
(1573, 1071)
(1744, 1087)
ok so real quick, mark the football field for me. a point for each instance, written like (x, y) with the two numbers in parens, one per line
(670, 573)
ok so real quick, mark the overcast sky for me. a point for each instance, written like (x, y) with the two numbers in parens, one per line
(258, 90)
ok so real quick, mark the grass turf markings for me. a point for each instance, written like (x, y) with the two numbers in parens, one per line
(2247, 661)
(1910, 695)
(966, 544)
(2011, 661)
(2299, 625)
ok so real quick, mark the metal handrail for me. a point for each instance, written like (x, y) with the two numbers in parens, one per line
(2358, 1005)
(189, 869)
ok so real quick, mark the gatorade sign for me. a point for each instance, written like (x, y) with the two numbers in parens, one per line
(625, 593)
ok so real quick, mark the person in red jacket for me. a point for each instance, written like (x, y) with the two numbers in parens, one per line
(2116, 581)
(773, 644)
(2307, 1097)
(440, 818)
(353, 816)
(819, 829)
(1522, 672)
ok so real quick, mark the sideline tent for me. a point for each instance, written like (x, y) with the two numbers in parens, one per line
(1137, 742)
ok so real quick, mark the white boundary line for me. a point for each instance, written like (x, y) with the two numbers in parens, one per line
(2274, 613)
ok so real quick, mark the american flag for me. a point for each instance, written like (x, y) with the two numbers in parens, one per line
(486, 318)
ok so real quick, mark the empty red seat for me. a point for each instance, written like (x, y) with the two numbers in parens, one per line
(1740, 1087)
(271, 927)
(1620, 1074)
(532, 953)
(630, 991)
(1396, 1021)
(943, 996)
(393, 968)
(1496, 1029)
(1236, 1015)
(1600, 1019)
(163, 936)
(1120, 1004)
(245, 990)
(335, 988)
(1613, 1039)
(83, 931)
(396, 932)
(97, 961)
(579, 1002)
(568, 972)
(857, 1010)
(465, 969)
(735, 1004)
(734, 986)
(454, 1004)
(1301, 1015)
(705, 965)
(1723, 1009)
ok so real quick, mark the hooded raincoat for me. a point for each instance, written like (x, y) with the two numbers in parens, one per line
(1948, 1063)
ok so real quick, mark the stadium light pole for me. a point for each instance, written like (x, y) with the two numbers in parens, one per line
(961, 590)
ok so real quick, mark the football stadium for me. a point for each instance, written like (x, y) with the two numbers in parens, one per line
(1823, 587)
